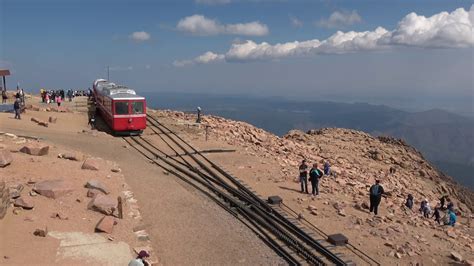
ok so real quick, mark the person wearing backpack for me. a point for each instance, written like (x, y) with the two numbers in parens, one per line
(376, 192)
(314, 175)
(304, 177)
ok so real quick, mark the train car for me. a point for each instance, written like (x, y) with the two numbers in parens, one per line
(121, 108)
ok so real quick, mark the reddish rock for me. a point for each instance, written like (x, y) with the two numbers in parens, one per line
(52, 119)
(104, 204)
(59, 215)
(35, 148)
(5, 158)
(20, 202)
(96, 184)
(106, 225)
(53, 188)
(43, 123)
(91, 164)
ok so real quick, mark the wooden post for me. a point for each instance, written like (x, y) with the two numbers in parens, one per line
(120, 208)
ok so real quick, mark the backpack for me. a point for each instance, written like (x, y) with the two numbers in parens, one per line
(374, 190)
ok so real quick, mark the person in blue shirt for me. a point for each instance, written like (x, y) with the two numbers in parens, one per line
(327, 168)
(314, 175)
(452, 218)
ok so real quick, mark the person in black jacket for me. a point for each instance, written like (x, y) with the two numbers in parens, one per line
(304, 176)
(376, 192)
(16, 107)
(314, 175)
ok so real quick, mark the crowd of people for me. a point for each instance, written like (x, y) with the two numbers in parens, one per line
(376, 192)
(57, 96)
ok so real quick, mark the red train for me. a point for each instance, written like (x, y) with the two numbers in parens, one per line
(120, 107)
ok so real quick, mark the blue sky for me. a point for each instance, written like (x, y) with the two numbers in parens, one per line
(69, 43)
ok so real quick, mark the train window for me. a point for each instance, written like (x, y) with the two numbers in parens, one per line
(121, 108)
(137, 107)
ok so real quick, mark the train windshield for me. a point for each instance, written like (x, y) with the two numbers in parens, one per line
(137, 107)
(121, 108)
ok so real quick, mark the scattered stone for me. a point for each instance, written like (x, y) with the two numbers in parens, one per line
(106, 224)
(59, 215)
(389, 244)
(398, 255)
(105, 204)
(17, 210)
(35, 148)
(68, 156)
(341, 213)
(52, 119)
(96, 184)
(5, 158)
(53, 188)
(91, 164)
(41, 232)
(456, 256)
(14, 193)
(142, 235)
(33, 193)
(20, 202)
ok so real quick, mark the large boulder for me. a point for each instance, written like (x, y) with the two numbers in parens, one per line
(5, 158)
(35, 148)
(53, 188)
(104, 204)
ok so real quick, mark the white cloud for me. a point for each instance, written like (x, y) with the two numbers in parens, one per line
(295, 22)
(212, 2)
(121, 68)
(140, 36)
(443, 30)
(206, 58)
(202, 26)
(340, 19)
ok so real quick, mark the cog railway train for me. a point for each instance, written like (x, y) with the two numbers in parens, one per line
(120, 107)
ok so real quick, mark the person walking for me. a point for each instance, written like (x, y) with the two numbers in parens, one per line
(376, 192)
(409, 202)
(4, 96)
(437, 214)
(452, 218)
(17, 108)
(58, 100)
(314, 175)
(327, 168)
(304, 177)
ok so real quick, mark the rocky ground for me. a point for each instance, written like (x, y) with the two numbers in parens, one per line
(397, 236)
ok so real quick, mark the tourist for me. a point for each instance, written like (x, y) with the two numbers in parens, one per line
(437, 214)
(140, 260)
(58, 100)
(22, 97)
(198, 120)
(304, 176)
(442, 200)
(17, 108)
(409, 202)
(376, 192)
(450, 205)
(452, 218)
(327, 168)
(314, 175)
(4, 96)
(426, 209)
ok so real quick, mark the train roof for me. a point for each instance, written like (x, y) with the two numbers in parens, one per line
(126, 96)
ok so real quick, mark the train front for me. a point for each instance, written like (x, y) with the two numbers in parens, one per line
(129, 114)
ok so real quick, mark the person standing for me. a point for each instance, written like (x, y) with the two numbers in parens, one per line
(304, 177)
(22, 97)
(4, 96)
(327, 168)
(17, 108)
(376, 192)
(58, 100)
(198, 120)
(314, 175)
(140, 260)
(409, 202)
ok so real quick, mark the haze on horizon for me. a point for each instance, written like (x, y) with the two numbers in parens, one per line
(416, 55)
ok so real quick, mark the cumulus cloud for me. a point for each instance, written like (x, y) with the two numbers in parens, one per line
(140, 36)
(443, 30)
(208, 57)
(295, 22)
(340, 19)
(212, 2)
(202, 26)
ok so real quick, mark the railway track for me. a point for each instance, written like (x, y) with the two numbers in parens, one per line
(271, 224)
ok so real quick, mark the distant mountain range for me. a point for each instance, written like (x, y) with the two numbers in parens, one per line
(445, 138)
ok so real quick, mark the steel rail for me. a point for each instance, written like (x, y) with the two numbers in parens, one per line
(255, 199)
(278, 232)
(264, 236)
